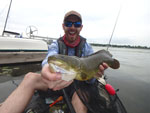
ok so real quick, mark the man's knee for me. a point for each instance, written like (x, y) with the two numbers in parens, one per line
(78, 104)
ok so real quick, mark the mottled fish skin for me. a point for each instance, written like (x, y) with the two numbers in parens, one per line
(85, 67)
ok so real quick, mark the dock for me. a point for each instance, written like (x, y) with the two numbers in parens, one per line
(21, 57)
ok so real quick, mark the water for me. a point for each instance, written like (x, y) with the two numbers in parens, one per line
(10, 75)
(132, 78)
(8, 72)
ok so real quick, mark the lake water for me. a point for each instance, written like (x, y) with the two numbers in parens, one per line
(132, 78)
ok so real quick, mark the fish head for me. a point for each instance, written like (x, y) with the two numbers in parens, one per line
(62, 64)
(56, 61)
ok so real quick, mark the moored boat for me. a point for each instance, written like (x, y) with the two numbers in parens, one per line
(20, 50)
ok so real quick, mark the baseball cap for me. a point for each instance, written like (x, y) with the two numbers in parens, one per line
(72, 13)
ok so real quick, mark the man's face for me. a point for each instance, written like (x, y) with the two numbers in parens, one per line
(72, 32)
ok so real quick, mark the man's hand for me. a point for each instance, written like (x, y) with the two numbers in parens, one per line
(34, 81)
(53, 80)
(102, 67)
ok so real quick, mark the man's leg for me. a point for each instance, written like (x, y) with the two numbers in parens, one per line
(78, 105)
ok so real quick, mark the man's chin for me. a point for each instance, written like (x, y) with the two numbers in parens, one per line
(72, 39)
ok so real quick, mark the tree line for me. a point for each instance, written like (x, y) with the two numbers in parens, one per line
(120, 46)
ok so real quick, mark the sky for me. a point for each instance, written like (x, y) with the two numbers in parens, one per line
(99, 17)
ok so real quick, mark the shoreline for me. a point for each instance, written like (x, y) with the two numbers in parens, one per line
(120, 46)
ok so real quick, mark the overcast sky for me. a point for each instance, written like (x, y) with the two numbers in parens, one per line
(99, 16)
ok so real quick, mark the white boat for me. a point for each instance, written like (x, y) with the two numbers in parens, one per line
(21, 50)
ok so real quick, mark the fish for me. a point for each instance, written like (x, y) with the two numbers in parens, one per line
(83, 68)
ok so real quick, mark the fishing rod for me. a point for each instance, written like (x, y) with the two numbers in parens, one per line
(69, 104)
(113, 29)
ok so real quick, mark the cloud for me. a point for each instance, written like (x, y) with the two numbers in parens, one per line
(99, 17)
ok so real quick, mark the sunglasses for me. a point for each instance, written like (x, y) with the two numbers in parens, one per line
(69, 24)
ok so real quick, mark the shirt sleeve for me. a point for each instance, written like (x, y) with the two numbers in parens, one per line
(87, 50)
(52, 50)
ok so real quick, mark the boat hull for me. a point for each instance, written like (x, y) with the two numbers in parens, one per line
(21, 50)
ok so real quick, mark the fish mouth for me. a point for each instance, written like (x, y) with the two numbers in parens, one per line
(67, 75)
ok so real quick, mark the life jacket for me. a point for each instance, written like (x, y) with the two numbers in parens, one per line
(63, 49)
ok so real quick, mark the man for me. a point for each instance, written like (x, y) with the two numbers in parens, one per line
(74, 45)
(20, 97)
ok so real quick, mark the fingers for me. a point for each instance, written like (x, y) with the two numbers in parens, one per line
(102, 67)
(34, 81)
(53, 80)
(105, 65)
(41, 85)
(52, 84)
(48, 75)
(57, 84)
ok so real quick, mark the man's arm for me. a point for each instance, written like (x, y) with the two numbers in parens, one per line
(21, 96)
(87, 50)
(52, 50)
